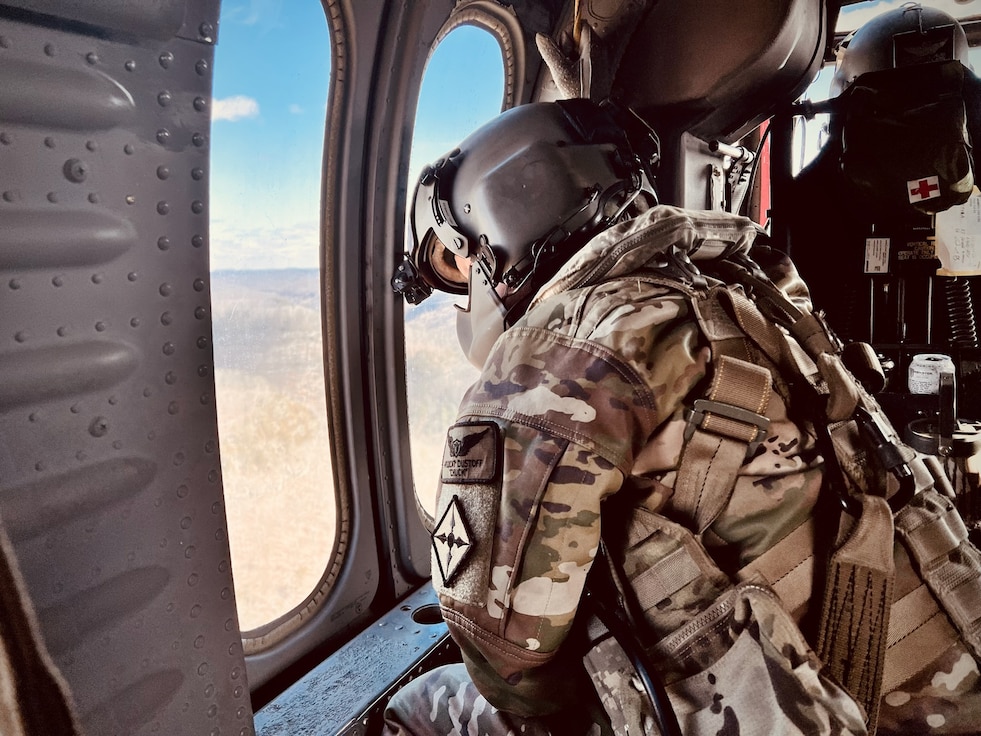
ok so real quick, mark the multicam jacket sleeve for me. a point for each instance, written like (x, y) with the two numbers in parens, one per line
(566, 401)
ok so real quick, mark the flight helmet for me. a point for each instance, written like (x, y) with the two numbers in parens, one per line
(903, 114)
(903, 37)
(499, 215)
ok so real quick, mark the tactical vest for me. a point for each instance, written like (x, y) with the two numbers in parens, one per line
(858, 621)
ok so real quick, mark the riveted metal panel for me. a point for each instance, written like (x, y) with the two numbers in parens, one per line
(110, 482)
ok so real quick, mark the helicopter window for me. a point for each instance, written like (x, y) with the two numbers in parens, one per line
(266, 306)
(462, 88)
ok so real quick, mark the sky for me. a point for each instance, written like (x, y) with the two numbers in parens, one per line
(272, 69)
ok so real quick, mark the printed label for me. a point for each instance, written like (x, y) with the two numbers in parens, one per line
(876, 255)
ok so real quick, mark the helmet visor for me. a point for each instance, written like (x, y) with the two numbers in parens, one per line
(451, 271)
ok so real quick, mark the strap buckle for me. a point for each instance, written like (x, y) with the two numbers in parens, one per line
(703, 407)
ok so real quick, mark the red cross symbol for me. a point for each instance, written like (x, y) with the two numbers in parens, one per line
(924, 189)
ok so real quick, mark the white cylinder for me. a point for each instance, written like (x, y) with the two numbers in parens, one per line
(925, 370)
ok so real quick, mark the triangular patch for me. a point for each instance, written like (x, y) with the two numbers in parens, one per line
(452, 541)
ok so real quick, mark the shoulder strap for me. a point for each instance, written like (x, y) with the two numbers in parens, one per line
(723, 430)
(857, 598)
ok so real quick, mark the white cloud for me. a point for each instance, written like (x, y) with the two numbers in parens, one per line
(296, 109)
(242, 244)
(235, 108)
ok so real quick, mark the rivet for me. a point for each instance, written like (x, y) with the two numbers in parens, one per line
(14, 284)
(197, 241)
(76, 170)
(163, 173)
(94, 197)
(128, 149)
(22, 336)
(92, 58)
(163, 242)
(49, 142)
(169, 348)
(198, 284)
(197, 207)
(200, 104)
(130, 199)
(99, 427)
(197, 173)
(58, 281)
(163, 208)
(164, 98)
(53, 197)
(130, 65)
(198, 139)
(166, 289)
(97, 278)
(10, 196)
(166, 318)
(49, 49)
(165, 59)
(206, 31)
(163, 135)
(201, 67)
(132, 276)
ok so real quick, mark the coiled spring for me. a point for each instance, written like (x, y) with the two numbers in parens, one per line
(960, 311)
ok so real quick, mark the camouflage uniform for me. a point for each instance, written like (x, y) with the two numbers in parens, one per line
(579, 410)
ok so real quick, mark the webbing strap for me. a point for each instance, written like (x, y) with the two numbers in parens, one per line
(909, 655)
(720, 431)
(842, 392)
(788, 568)
(857, 602)
(939, 536)
(936, 537)
(665, 578)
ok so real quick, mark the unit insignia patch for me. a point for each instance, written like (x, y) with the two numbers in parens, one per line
(471, 453)
(452, 541)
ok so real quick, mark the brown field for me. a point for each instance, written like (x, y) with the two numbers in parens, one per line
(275, 443)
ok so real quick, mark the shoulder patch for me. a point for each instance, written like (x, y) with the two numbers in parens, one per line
(452, 541)
(471, 453)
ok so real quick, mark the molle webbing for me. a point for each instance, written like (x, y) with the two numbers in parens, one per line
(936, 538)
(788, 568)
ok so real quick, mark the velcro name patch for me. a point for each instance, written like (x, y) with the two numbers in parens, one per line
(472, 453)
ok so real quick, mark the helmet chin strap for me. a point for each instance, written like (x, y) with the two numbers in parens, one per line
(484, 319)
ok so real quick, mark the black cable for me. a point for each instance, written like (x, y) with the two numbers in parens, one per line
(626, 637)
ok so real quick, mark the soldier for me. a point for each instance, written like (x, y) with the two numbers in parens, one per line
(626, 376)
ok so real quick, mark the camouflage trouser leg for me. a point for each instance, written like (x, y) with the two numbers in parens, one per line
(445, 702)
